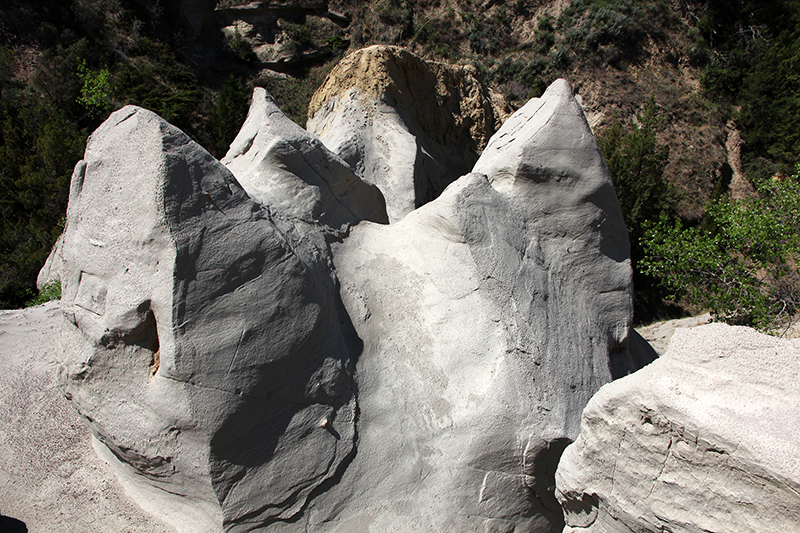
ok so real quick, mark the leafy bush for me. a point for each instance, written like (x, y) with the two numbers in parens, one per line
(96, 91)
(299, 33)
(614, 29)
(745, 269)
(637, 160)
(488, 35)
(545, 34)
(38, 147)
(521, 78)
(51, 291)
(394, 12)
(153, 78)
(242, 49)
(337, 43)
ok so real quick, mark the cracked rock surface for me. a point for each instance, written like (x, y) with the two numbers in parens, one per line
(703, 439)
(489, 317)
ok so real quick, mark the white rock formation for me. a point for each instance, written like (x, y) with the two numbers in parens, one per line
(704, 439)
(489, 317)
(51, 271)
(282, 166)
(280, 362)
(203, 343)
(407, 125)
(50, 477)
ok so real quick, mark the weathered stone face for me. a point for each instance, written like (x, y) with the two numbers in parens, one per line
(407, 125)
(205, 351)
(704, 439)
(282, 166)
(489, 317)
(266, 353)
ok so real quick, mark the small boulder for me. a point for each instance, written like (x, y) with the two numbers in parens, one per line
(703, 439)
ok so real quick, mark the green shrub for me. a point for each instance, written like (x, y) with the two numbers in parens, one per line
(745, 268)
(393, 12)
(545, 34)
(153, 78)
(527, 77)
(337, 43)
(299, 33)
(636, 161)
(51, 291)
(614, 30)
(489, 35)
(753, 49)
(97, 91)
(242, 49)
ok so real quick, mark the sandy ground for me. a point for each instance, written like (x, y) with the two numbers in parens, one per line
(51, 481)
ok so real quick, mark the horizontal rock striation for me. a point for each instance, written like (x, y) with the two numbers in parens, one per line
(704, 439)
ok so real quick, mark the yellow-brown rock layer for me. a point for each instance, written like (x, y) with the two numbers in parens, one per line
(448, 102)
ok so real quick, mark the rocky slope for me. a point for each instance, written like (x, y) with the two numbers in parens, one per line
(522, 47)
(175, 59)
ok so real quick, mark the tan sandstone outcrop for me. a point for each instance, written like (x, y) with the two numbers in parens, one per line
(407, 125)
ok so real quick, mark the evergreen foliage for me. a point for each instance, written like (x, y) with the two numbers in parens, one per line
(39, 145)
(228, 115)
(636, 160)
(754, 63)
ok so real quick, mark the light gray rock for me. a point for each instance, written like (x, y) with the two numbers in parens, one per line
(50, 477)
(489, 317)
(407, 125)
(203, 344)
(51, 271)
(284, 167)
(704, 439)
(287, 365)
(659, 334)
